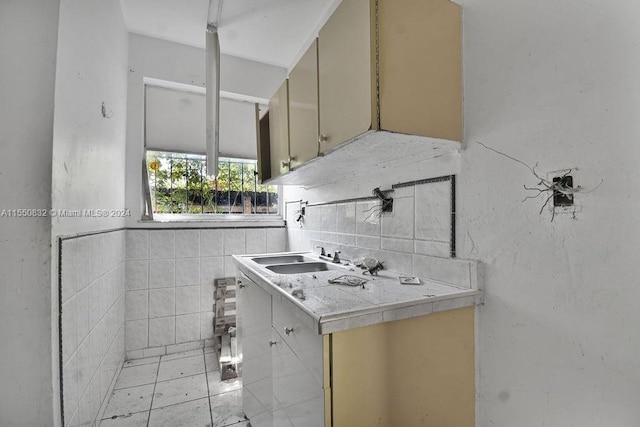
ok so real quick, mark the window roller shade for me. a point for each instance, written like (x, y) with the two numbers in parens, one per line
(176, 121)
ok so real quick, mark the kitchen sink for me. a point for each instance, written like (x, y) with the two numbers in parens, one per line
(301, 267)
(282, 259)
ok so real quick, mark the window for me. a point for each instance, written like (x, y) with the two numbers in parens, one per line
(179, 185)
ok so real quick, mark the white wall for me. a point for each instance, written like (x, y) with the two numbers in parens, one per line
(28, 34)
(89, 173)
(554, 83)
(174, 62)
(89, 148)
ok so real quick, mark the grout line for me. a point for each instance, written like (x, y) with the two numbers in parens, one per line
(206, 372)
(155, 384)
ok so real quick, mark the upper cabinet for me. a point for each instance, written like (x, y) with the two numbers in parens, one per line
(279, 131)
(378, 65)
(303, 108)
(264, 145)
(420, 67)
(346, 73)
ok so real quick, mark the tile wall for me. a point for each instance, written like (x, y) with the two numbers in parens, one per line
(93, 305)
(170, 283)
(413, 239)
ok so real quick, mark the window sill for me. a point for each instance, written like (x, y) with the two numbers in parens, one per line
(200, 221)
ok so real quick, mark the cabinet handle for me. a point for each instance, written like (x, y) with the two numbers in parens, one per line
(323, 138)
(287, 164)
(241, 285)
(287, 331)
(272, 343)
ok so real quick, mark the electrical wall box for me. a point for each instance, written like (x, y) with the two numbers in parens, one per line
(559, 198)
(565, 203)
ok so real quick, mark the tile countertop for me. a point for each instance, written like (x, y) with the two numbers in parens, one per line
(329, 308)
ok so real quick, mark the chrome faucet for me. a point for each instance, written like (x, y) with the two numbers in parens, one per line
(336, 258)
(322, 252)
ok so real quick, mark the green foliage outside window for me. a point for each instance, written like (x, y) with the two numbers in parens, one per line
(179, 185)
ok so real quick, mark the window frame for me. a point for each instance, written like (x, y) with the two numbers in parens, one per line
(203, 217)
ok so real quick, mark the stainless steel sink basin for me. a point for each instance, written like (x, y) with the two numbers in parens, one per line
(282, 259)
(301, 267)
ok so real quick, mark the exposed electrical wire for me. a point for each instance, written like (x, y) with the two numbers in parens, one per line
(550, 188)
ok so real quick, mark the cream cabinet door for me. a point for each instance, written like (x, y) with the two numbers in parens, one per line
(421, 67)
(345, 74)
(303, 108)
(279, 131)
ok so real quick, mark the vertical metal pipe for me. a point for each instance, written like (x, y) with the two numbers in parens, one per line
(213, 98)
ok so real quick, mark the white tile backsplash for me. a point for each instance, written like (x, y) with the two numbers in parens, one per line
(85, 262)
(368, 242)
(137, 274)
(329, 218)
(188, 327)
(187, 271)
(70, 385)
(137, 305)
(162, 244)
(433, 212)
(276, 240)
(187, 243)
(137, 244)
(136, 334)
(69, 269)
(211, 268)
(211, 243)
(234, 241)
(206, 325)
(346, 218)
(162, 331)
(162, 302)
(367, 218)
(93, 318)
(206, 297)
(420, 224)
(440, 249)
(187, 300)
(162, 273)
(312, 220)
(452, 271)
(398, 261)
(82, 314)
(256, 241)
(400, 222)
(346, 239)
(84, 366)
(69, 328)
(397, 245)
(229, 267)
(173, 288)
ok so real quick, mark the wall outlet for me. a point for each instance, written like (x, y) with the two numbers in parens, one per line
(561, 199)
(567, 204)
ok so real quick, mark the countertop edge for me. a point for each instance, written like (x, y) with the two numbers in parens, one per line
(360, 317)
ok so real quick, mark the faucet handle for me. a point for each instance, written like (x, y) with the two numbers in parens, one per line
(336, 258)
(322, 252)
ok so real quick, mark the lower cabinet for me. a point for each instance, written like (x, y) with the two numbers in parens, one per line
(282, 371)
(418, 371)
(254, 332)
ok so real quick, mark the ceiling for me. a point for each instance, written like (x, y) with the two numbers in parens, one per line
(271, 31)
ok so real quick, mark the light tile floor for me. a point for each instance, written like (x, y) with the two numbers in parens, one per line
(177, 390)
